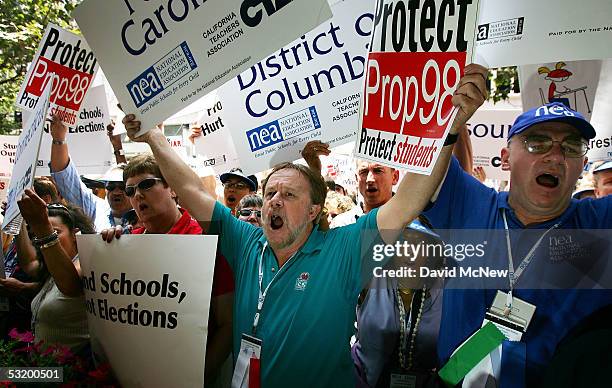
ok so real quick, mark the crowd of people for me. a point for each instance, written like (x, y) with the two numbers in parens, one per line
(294, 260)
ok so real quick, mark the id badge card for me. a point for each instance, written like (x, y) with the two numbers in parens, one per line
(403, 380)
(514, 324)
(248, 358)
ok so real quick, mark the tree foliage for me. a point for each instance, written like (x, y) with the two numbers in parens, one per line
(22, 24)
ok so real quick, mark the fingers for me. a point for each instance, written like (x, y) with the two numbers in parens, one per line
(111, 233)
(36, 200)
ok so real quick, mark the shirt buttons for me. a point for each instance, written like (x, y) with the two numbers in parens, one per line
(273, 269)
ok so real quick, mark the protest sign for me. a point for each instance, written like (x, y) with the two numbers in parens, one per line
(309, 89)
(88, 144)
(148, 299)
(524, 32)
(600, 148)
(161, 55)
(571, 83)
(4, 186)
(418, 51)
(66, 60)
(8, 150)
(340, 168)
(488, 129)
(26, 157)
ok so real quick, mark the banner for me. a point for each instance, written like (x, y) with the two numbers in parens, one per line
(215, 147)
(309, 89)
(161, 55)
(600, 148)
(148, 315)
(88, 144)
(524, 32)
(26, 157)
(571, 83)
(66, 60)
(8, 151)
(418, 52)
(489, 133)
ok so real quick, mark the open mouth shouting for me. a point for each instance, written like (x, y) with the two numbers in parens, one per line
(276, 222)
(231, 199)
(548, 180)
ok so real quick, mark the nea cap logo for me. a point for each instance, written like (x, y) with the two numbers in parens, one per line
(302, 281)
(555, 110)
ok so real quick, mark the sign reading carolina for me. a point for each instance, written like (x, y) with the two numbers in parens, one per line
(418, 52)
(66, 60)
(309, 89)
(161, 55)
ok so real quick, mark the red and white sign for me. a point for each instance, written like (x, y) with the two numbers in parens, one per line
(65, 60)
(417, 56)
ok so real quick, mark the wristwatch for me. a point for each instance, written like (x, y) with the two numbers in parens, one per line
(119, 152)
(451, 139)
(59, 142)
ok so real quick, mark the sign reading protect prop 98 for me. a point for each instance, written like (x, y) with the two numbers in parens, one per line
(65, 60)
(418, 52)
(162, 55)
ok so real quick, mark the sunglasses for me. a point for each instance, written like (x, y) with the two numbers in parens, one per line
(248, 212)
(54, 207)
(236, 186)
(571, 147)
(110, 186)
(143, 185)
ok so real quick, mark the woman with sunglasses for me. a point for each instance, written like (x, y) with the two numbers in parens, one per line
(249, 209)
(58, 310)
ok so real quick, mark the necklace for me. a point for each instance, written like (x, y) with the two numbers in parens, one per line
(404, 329)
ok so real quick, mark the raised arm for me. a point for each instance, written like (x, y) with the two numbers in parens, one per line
(415, 190)
(181, 178)
(26, 254)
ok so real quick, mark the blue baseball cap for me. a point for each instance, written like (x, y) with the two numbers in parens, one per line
(555, 111)
(603, 167)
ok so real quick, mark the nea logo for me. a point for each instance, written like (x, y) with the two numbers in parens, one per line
(264, 136)
(251, 13)
(144, 87)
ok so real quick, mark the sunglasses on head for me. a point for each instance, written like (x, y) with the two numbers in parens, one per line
(110, 186)
(248, 212)
(59, 207)
(143, 185)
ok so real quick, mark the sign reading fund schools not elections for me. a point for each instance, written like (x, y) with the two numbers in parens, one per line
(26, 157)
(162, 55)
(418, 51)
(147, 314)
(309, 89)
(521, 32)
(65, 60)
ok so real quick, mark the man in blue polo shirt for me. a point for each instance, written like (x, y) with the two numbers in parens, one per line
(545, 156)
(296, 286)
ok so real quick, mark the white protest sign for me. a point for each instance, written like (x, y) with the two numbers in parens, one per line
(419, 49)
(524, 32)
(26, 158)
(88, 144)
(600, 148)
(341, 168)
(148, 301)
(161, 55)
(488, 130)
(66, 60)
(309, 89)
(8, 149)
(571, 83)
(4, 186)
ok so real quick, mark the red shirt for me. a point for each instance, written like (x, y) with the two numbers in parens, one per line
(223, 278)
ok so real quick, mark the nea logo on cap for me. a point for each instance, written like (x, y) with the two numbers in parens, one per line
(555, 110)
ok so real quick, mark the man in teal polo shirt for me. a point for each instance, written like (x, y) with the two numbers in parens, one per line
(296, 286)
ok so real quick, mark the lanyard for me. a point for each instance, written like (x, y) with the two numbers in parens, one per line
(512, 275)
(262, 295)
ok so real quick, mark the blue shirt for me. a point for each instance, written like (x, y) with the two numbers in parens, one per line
(308, 314)
(465, 203)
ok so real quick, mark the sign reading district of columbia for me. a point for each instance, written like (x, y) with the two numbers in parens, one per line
(161, 55)
(66, 60)
(417, 55)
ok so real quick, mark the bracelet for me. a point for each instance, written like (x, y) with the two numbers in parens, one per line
(451, 139)
(49, 244)
(119, 152)
(38, 242)
(59, 142)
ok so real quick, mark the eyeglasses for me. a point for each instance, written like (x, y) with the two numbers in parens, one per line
(236, 185)
(143, 185)
(571, 147)
(248, 212)
(111, 186)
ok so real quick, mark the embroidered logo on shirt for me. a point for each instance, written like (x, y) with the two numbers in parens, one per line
(302, 281)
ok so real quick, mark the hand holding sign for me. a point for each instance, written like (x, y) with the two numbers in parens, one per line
(34, 211)
(470, 94)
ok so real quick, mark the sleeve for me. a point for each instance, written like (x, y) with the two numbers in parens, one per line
(234, 235)
(73, 190)
(459, 196)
